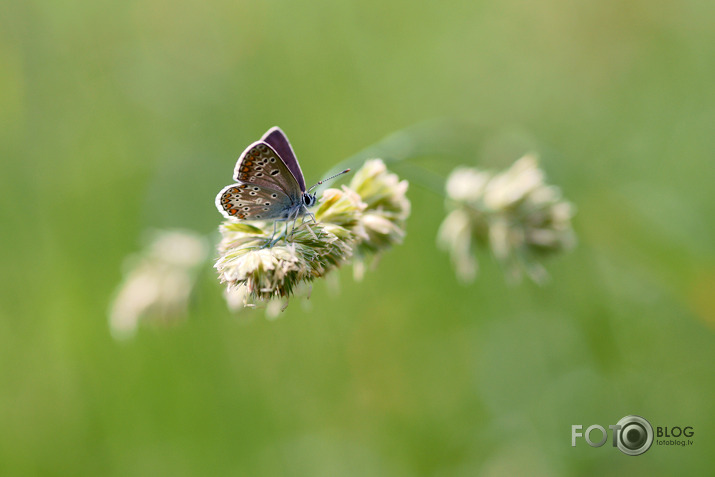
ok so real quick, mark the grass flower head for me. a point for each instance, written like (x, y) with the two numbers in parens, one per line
(366, 217)
(514, 213)
(158, 283)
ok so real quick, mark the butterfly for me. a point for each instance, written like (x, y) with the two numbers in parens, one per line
(269, 183)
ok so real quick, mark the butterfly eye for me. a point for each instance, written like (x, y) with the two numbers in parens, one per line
(308, 199)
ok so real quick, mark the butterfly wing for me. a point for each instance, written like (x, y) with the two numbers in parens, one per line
(261, 165)
(253, 202)
(276, 138)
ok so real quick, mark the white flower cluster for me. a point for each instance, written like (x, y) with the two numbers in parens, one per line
(514, 213)
(157, 285)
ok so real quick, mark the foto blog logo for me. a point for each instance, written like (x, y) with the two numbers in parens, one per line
(633, 435)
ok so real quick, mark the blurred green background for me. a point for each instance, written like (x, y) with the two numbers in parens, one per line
(119, 117)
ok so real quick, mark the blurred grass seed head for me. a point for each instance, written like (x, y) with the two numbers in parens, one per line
(157, 286)
(513, 213)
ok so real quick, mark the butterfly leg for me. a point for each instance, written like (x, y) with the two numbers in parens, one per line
(309, 214)
(274, 240)
(295, 219)
(275, 225)
(270, 243)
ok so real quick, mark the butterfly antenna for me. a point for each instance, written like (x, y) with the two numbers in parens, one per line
(329, 178)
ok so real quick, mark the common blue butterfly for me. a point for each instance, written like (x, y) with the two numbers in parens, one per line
(270, 184)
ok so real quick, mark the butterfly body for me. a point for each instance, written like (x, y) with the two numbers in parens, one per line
(269, 183)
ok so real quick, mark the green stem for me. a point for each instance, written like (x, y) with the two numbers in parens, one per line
(433, 138)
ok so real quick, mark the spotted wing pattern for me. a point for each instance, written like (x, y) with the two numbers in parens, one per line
(261, 165)
(253, 202)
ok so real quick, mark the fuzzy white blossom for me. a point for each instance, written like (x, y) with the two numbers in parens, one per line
(158, 282)
(514, 213)
(385, 213)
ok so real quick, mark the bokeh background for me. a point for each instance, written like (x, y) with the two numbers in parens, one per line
(121, 117)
